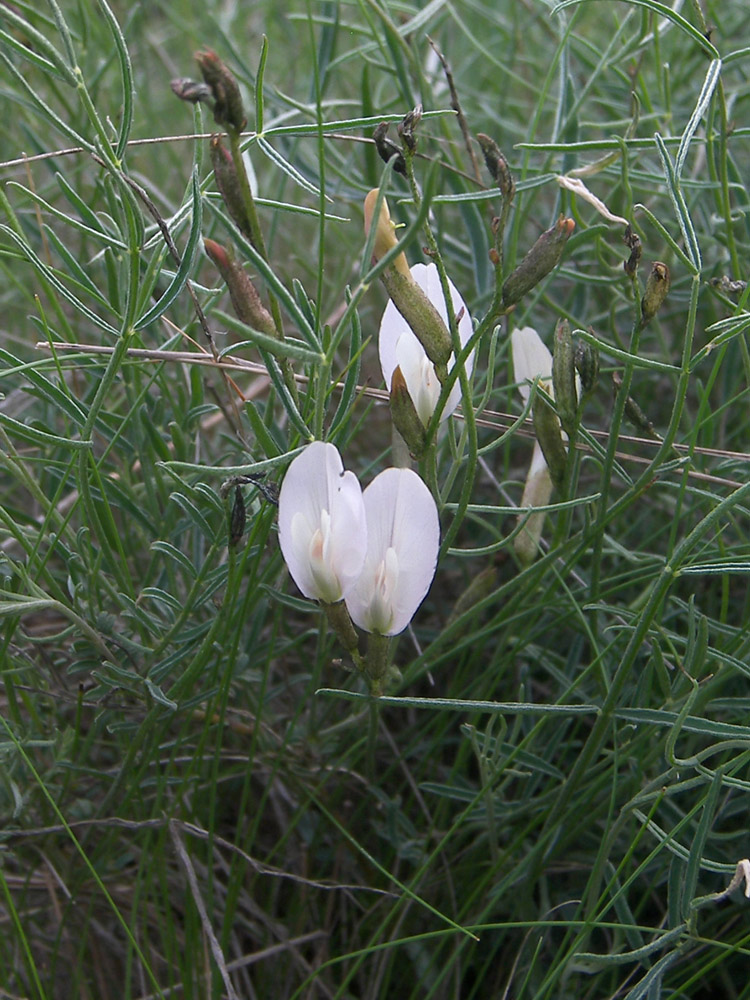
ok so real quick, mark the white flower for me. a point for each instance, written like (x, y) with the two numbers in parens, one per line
(403, 538)
(398, 346)
(531, 359)
(322, 527)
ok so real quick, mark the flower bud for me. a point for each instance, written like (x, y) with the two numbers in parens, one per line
(538, 262)
(657, 287)
(564, 376)
(228, 108)
(586, 357)
(225, 174)
(387, 149)
(497, 166)
(192, 91)
(633, 241)
(405, 417)
(243, 293)
(549, 436)
(411, 301)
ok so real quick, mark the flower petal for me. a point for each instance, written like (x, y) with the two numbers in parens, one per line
(419, 374)
(403, 533)
(531, 358)
(322, 527)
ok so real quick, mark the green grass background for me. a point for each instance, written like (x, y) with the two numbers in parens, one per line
(191, 805)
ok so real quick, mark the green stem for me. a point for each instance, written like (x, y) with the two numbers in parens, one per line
(256, 238)
(658, 592)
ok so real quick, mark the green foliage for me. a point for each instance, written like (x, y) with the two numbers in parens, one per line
(196, 797)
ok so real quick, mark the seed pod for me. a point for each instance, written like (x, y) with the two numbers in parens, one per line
(538, 262)
(564, 376)
(657, 287)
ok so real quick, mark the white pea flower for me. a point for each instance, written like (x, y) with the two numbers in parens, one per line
(322, 527)
(399, 347)
(531, 360)
(403, 539)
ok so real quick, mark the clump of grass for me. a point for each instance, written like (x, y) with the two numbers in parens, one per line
(197, 797)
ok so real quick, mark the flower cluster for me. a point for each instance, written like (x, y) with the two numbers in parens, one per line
(375, 550)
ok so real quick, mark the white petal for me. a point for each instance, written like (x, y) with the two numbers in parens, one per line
(322, 528)
(578, 187)
(531, 358)
(428, 279)
(403, 533)
(394, 330)
(538, 465)
(349, 530)
(419, 374)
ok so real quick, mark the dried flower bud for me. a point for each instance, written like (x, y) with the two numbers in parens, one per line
(228, 108)
(385, 231)
(405, 417)
(586, 358)
(633, 241)
(633, 411)
(243, 293)
(237, 518)
(191, 90)
(549, 436)
(225, 174)
(538, 262)
(387, 149)
(407, 128)
(497, 166)
(726, 285)
(564, 376)
(657, 287)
